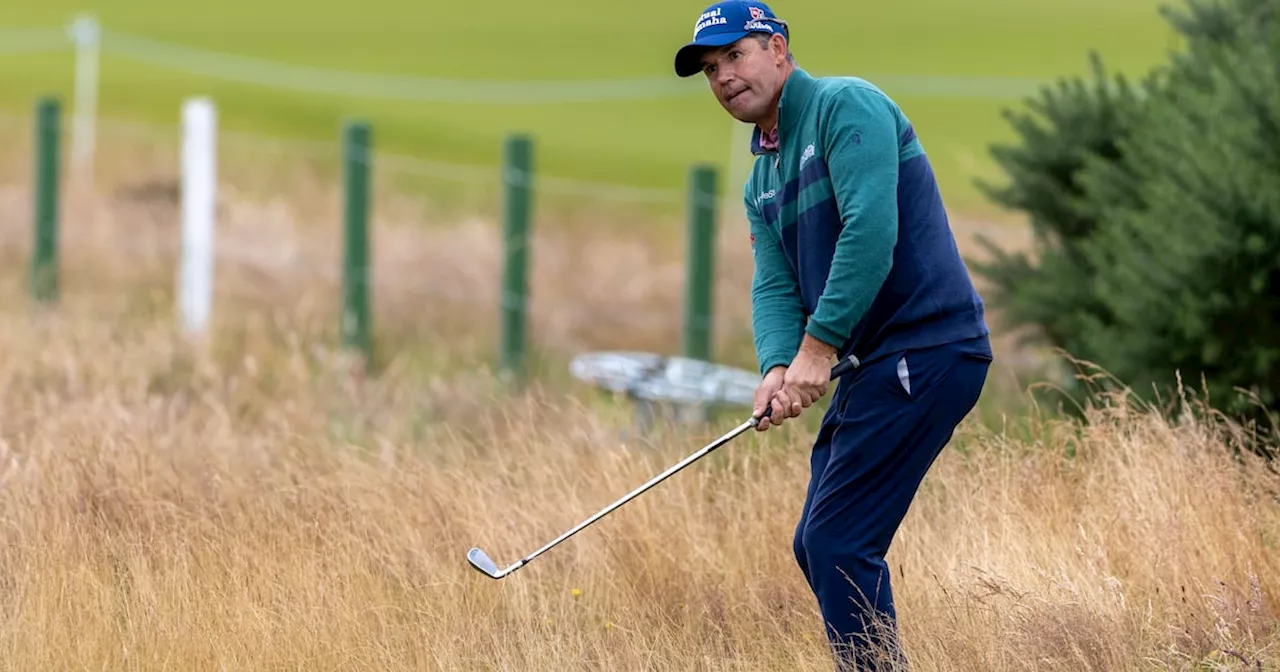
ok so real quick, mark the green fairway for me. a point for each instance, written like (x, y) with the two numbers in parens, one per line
(646, 142)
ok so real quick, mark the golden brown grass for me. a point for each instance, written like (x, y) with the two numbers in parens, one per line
(271, 510)
(255, 502)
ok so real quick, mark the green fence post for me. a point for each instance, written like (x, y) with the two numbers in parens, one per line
(517, 180)
(44, 260)
(700, 279)
(357, 160)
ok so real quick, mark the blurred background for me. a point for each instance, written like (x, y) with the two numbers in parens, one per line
(291, 294)
(613, 245)
(446, 81)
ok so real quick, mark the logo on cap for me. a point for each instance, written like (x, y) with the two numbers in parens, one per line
(712, 18)
(758, 20)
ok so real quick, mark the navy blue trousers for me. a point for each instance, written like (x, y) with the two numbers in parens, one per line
(886, 424)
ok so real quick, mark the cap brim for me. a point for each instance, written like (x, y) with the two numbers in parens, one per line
(689, 58)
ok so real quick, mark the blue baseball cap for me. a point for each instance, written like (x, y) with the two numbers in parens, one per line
(725, 23)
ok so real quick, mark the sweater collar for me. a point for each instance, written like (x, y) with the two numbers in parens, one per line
(795, 93)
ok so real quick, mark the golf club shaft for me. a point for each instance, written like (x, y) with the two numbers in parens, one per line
(844, 366)
(652, 482)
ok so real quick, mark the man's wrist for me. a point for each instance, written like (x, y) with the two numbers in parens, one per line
(814, 346)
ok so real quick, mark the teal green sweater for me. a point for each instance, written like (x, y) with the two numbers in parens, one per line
(849, 234)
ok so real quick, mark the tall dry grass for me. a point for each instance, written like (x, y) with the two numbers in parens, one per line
(256, 502)
(164, 510)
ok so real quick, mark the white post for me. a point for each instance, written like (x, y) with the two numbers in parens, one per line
(87, 36)
(199, 201)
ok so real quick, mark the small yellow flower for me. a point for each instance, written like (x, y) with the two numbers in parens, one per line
(576, 592)
(608, 625)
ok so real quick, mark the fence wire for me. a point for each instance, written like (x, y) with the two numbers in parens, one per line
(651, 296)
(625, 289)
(412, 88)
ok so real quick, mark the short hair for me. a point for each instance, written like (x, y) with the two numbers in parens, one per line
(763, 39)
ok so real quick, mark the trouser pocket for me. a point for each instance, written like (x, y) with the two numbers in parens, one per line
(903, 375)
(906, 376)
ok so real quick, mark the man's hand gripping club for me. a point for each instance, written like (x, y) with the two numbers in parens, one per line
(787, 390)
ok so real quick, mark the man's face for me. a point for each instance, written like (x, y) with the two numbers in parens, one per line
(747, 76)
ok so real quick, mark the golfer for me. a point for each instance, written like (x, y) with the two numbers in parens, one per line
(853, 255)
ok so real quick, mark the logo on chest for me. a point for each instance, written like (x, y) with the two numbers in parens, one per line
(808, 153)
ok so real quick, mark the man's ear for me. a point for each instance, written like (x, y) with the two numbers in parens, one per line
(778, 45)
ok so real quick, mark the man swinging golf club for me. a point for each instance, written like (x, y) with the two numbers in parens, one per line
(854, 255)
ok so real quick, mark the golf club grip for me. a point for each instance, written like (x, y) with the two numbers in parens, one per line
(844, 366)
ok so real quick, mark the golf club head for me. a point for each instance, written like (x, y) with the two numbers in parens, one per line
(485, 565)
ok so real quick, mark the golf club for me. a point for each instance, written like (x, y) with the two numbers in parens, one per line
(485, 565)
